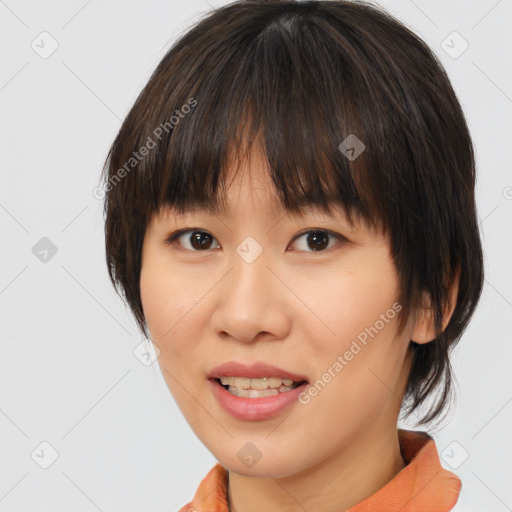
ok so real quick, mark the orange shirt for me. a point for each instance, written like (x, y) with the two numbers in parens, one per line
(422, 486)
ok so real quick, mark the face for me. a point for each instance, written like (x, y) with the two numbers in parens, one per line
(311, 295)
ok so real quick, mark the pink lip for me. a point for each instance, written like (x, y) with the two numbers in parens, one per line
(254, 371)
(252, 409)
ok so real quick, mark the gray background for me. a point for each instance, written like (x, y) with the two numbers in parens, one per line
(73, 374)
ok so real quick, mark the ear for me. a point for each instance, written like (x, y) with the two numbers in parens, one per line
(424, 328)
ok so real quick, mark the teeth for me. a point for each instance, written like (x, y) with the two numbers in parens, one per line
(256, 393)
(257, 388)
(264, 383)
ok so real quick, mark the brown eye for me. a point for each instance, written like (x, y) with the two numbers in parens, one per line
(196, 240)
(193, 240)
(200, 240)
(316, 240)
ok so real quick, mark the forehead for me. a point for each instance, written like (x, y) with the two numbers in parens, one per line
(248, 183)
(248, 191)
(235, 209)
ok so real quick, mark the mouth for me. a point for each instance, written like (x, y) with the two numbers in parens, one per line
(245, 403)
(255, 391)
(258, 387)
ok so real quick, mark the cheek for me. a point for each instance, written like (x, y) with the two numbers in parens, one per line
(173, 304)
(359, 315)
(165, 297)
(157, 301)
(344, 301)
(169, 311)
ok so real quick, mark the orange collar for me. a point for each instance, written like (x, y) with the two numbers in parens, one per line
(422, 486)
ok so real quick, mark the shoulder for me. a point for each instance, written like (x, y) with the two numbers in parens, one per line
(211, 495)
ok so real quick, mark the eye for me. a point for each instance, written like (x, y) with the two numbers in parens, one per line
(192, 239)
(316, 239)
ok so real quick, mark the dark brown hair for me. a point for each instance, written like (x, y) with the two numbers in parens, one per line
(298, 78)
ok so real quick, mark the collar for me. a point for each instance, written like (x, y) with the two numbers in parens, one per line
(422, 486)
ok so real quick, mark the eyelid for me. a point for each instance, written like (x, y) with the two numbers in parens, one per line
(315, 230)
(174, 236)
(330, 233)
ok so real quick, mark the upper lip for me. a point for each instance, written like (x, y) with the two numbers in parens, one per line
(255, 370)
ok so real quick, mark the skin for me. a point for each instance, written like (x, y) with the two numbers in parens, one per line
(296, 308)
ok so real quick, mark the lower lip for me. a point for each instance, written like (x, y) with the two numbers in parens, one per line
(252, 409)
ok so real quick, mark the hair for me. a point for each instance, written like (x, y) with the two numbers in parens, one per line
(298, 78)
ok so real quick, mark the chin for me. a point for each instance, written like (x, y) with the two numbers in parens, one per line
(263, 468)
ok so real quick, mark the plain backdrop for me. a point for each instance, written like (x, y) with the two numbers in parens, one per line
(85, 422)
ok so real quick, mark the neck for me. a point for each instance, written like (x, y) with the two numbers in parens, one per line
(344, 479)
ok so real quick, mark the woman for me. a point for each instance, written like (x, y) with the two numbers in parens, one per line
(290, 215)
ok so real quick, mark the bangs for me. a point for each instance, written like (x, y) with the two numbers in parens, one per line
(275, 93)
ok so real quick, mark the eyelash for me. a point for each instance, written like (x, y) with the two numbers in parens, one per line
(177, 234)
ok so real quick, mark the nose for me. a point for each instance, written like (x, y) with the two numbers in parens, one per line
(251, 302)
